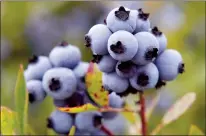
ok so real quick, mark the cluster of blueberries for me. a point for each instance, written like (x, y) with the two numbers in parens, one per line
(132, 55)
(62, 76)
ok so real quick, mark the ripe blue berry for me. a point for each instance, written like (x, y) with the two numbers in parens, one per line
(80, 72)
(117, 125)
(113, 82)
(161, 38)
(35, 90)
(60, 122)
(88, 121)
(122, 45)
(37, 66)
(169, 64)
(126, 69)
(105, 63)
(148, 48)
(145, 78)
(65, 55)
(115, 101)
(97, 38)
(143, 23)
(59, 83)
(122, 19)
(80, 133)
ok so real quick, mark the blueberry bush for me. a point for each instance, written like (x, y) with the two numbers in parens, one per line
(107, 95)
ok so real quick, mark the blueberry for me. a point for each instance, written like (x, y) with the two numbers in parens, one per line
(80, 133)
(122, 45)
(146, 77)
(161, 38)
(122, 19)
(148, 48)
(115, 101)
(115, 83)
(60, 122)
(130, 90)
(59, 83)
(65, 55)
(143, 23)
(105, 63)
(98, 133)
(37, 66)
(77, 99)
(35, 90)
(80, 72)
(88, 121)
(169, 64)
(126, 69)
(97, 39)
(117, 125)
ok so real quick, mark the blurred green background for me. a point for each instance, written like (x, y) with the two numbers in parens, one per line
(36, 27)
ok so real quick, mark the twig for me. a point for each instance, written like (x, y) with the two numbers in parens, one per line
(105, 130)
(142, 114)
(110, 109)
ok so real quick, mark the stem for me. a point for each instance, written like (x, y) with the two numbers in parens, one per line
(142, 113)
(105, 130)
(110, 109)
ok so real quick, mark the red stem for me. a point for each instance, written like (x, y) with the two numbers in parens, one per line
(105, 130)
(142, 114)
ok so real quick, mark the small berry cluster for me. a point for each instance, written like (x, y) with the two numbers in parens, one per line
(62, 76)
(132, 55)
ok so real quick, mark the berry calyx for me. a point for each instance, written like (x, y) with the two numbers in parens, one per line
(97, 58)
(122, 14)
(151, 53)
(33, 59)
(181, 68)
(88, 41)
(125, 66)
(63, 43)
(156, 31)
(118, 48)
(142, 15)
(54, 84)
(160, 84)
(143, 79)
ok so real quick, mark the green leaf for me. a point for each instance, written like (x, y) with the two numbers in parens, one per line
(194, 130)
(21, 102)
(29, 130)
(50, 132)
(130, 116)
(7, 121)
(176, 110)
(72, 131)
(94, 86)
(179, 108)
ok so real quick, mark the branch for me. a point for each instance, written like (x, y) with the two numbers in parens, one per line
(105, 130)
(142, 113)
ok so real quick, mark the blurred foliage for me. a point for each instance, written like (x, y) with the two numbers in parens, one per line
(189, 39)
